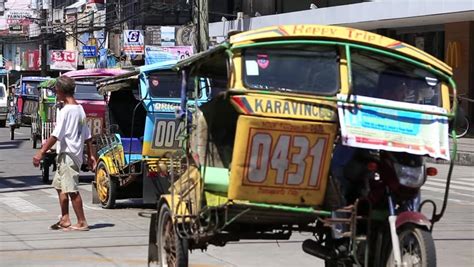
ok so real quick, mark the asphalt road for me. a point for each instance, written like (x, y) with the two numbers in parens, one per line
(119, 237)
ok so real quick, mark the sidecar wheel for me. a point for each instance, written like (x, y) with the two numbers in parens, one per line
(172, 250)
(106, 187)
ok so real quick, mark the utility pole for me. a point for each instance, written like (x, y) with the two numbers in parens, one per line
(44, 43)
(201, 20)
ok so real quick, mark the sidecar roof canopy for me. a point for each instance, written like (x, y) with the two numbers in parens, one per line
(338, 33)
(126, 81)
(34, 79)
(50, 83)
(86, 73)
(130, 79)
(208, 63)
(213, 60)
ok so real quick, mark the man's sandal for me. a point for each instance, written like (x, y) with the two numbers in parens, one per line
(57, 226)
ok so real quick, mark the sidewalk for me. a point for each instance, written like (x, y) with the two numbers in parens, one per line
(465, 152)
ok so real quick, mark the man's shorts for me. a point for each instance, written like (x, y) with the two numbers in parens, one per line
(66, 177)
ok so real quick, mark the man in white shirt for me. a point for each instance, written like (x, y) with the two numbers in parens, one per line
(70, 132)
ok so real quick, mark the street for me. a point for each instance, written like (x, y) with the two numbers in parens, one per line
(119, 237)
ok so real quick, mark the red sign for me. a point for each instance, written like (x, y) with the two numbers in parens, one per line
(63, 60)
(33, 60)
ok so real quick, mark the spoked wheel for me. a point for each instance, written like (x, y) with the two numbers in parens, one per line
(172, 250)
(106, 187)
(417, 248)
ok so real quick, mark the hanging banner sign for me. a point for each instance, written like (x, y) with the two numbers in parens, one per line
(32, 60)
(63, 60)
(154, 54)
(133, 42)
(391, 129)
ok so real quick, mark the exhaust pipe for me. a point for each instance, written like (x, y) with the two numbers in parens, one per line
(313, 248)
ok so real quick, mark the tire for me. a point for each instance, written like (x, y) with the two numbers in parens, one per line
(3, 123)
(417, 247)
(106, 187)
(35, 141)
(168, 240)
(12, 133)
(45, 174)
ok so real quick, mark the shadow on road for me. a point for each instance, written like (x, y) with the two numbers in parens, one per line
(101, 225)
(14, 144)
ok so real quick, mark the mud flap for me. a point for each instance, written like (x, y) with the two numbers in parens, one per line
(152, 240)
(95, 196)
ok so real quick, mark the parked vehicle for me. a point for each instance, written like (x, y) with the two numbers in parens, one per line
(43, 125)
(3, 97)
(144, 132)
(261, 157)
(25, 102)
(86, 94)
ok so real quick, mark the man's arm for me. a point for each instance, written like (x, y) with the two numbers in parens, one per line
(91, 154)
(39, 155)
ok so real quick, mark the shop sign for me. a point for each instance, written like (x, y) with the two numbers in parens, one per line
(453, 54)
(90, 63)
(154, 54)
(63, 60)
(89, 51)
(31, 60)
(133, 42)
(168, 36)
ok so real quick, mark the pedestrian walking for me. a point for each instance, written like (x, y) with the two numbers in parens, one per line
(70, 133)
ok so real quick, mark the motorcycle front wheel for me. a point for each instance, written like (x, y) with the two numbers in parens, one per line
(417, 248)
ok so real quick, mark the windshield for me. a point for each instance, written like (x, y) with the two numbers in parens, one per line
(167, 84)
(296, 68)
(384, 77)
(29, 88)
(86, 91)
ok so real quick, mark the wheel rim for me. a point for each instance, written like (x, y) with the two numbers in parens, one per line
(102, 185)
(411, 250)
(168, 248)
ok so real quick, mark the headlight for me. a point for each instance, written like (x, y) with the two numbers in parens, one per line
(413, 177)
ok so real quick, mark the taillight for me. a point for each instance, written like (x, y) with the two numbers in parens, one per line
(372, 166)
(431, 171)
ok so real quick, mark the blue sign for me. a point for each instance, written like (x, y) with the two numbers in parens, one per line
(89, 51)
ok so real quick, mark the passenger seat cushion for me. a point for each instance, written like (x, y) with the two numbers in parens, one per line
(135, 143)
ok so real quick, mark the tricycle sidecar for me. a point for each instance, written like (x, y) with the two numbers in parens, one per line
(259, 159)
(143, 134)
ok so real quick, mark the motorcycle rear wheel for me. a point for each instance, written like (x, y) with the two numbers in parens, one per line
(416, 246)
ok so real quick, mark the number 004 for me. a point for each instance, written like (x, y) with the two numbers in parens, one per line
(262, 158)
(166, 134)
